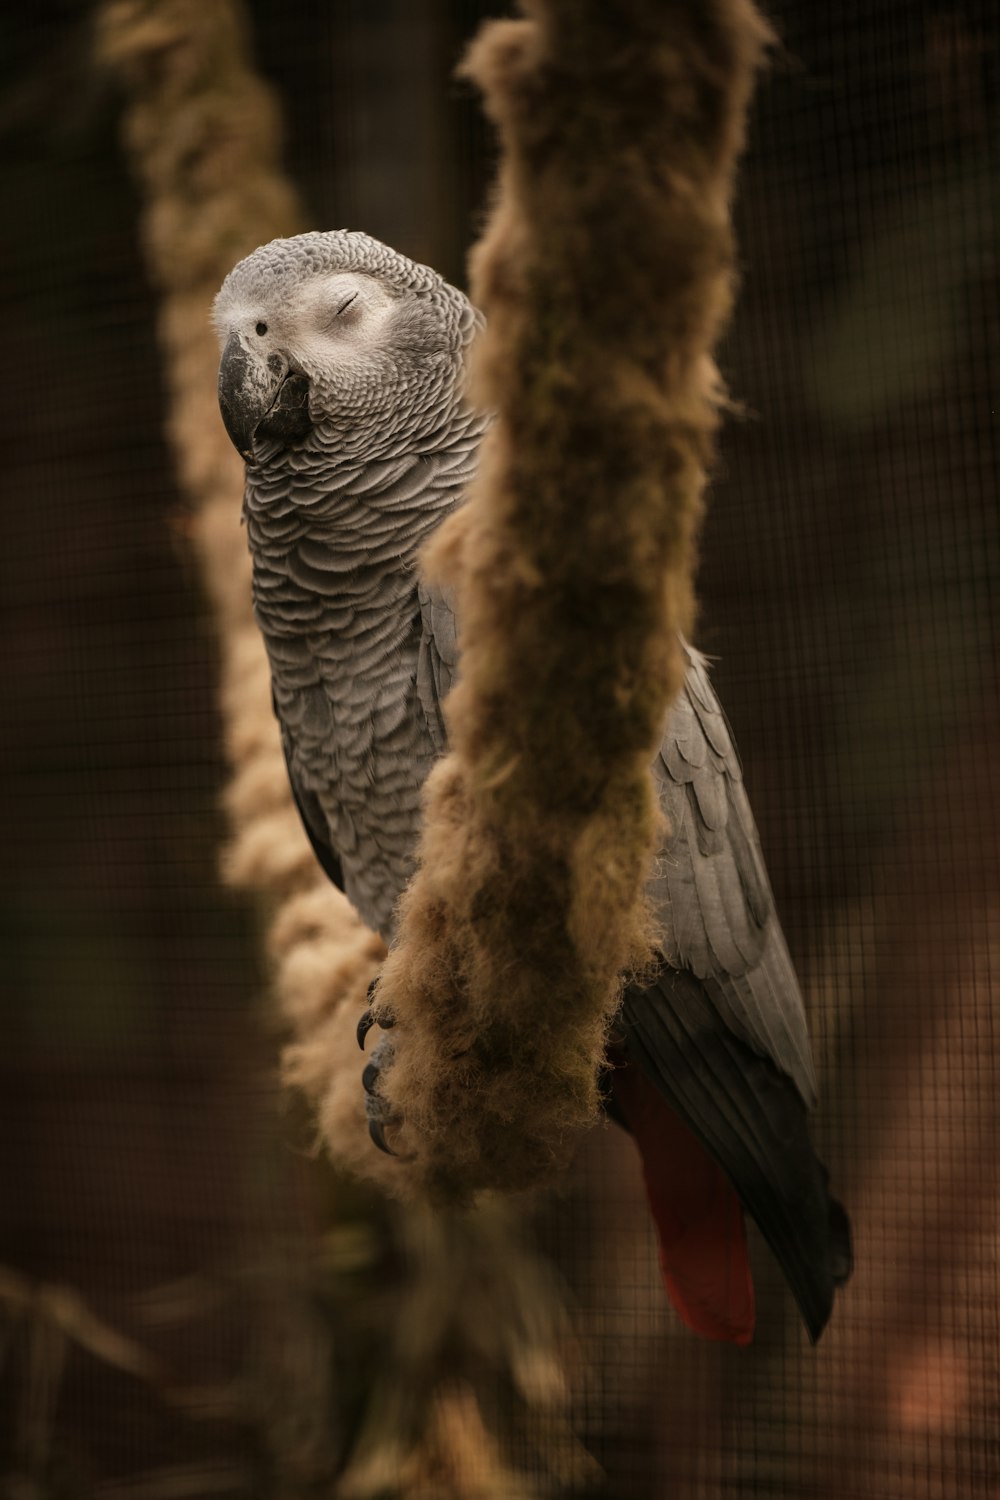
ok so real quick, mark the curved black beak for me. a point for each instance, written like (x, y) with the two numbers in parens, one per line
(260, 398)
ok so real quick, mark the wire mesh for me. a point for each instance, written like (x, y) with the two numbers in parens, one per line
(847, 590)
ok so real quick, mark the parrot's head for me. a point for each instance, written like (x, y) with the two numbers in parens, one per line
(334, 343)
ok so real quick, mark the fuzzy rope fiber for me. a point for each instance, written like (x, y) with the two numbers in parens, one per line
(606, 276)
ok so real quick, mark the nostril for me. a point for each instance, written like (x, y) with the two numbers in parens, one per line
(262, 329)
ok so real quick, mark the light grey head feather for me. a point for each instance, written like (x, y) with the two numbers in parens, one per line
(381, 339)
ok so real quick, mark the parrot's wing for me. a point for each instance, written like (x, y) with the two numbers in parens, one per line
(437, 657)
(721, 1034)
(310, 811)
(711, 891)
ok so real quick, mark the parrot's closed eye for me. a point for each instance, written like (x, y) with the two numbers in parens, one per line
(341, 307)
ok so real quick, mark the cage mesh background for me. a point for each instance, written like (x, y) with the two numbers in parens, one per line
(847, 590)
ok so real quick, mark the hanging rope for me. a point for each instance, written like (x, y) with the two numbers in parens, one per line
(606, 274)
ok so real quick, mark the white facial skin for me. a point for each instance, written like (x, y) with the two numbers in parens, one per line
(340, 318)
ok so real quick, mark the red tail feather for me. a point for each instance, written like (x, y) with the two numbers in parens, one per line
(699, 1218)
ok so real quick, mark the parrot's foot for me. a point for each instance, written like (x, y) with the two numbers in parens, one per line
(368, 1020)
(377, 1106)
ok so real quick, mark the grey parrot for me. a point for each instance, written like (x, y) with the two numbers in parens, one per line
(342, 384)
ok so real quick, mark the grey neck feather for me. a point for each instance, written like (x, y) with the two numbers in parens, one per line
(335, 541)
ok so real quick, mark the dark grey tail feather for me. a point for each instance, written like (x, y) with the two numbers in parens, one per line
(752, 1119)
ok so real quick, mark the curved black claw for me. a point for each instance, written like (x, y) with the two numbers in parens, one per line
(365, 1025)
(368, 1020)
(376, 1130)
(377, 1107)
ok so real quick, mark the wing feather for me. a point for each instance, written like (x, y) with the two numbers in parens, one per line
(711, 890)
(313, 820)
(437, 657)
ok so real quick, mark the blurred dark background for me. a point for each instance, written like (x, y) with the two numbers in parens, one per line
(148, 1162)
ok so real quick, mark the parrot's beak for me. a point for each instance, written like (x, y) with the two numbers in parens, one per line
(260, 398)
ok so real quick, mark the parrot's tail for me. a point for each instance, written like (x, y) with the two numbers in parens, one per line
(698, 1215)
(748, 1120)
